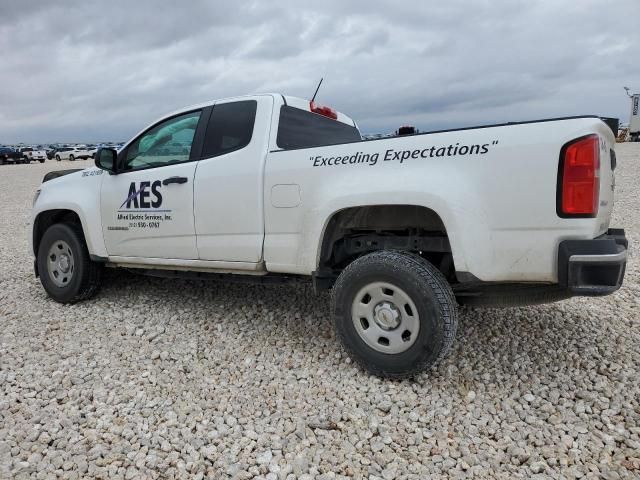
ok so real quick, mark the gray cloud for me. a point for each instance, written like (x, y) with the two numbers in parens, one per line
(86, 71)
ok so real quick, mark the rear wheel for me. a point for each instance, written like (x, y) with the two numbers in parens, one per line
(58, 158)
(394, 312)
(71, 158)
(66, 271)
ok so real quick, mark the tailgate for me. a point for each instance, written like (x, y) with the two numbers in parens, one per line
(607, 178)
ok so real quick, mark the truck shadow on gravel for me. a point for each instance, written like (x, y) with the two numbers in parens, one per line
(535, 344)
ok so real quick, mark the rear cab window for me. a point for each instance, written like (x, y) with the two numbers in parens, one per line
(299, 128)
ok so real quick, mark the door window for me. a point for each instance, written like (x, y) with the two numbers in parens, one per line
(167, 143)
(230, 127)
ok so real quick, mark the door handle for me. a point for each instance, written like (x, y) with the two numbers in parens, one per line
(169, 180)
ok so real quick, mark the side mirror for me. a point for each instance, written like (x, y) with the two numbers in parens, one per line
(106, 159)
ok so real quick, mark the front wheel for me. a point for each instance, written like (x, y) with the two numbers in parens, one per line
(66, 271)
(71, 158)
(394, 312)
(58, 158)
(41, 160)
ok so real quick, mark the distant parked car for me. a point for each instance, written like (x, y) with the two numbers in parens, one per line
(39, 154)
(92, 149)
(26, 153)
(9, 155)
(51, 152)
(62, 152)
(72, 153)
(406, 130)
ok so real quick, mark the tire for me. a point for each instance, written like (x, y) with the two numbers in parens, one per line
(71, 158)
(516, 296)
(426, 315)
(41, 161)
(58, 158)
(83, 277)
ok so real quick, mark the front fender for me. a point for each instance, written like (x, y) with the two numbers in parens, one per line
(79, 194)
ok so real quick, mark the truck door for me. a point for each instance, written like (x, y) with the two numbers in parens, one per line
(147, 208)
(228, 185)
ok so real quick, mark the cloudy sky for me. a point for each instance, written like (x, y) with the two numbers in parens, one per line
(91, 71)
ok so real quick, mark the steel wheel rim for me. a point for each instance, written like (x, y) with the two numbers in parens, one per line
(385, 317)
(60, 263)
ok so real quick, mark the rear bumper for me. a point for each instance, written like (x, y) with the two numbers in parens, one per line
(593, 267)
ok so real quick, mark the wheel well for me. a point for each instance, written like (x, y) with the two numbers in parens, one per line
(47, 218)
(355, 231)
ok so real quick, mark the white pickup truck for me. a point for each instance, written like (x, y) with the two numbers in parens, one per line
(29, 153)
(275, 188)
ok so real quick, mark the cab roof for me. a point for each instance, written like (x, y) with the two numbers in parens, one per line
(295, 102)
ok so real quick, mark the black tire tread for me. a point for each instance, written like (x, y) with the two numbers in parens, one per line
(405, 261)
(94, 270)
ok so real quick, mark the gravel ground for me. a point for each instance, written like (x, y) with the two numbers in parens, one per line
(163, 379)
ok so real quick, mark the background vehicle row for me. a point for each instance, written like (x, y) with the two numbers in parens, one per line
(26, 154)
(21, 155)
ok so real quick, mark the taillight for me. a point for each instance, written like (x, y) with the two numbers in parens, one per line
(324, 111)
(579, 178)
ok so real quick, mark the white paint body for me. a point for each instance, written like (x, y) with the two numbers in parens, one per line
(263, 209)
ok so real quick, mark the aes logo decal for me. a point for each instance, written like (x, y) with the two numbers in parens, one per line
(141, 208)
(146, 196)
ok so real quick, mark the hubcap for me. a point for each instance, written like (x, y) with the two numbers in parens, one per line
(385, 317)
(60, 264)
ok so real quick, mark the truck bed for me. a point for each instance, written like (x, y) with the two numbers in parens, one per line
(494, 187)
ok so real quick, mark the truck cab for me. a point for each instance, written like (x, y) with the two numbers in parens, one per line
(154, 209)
